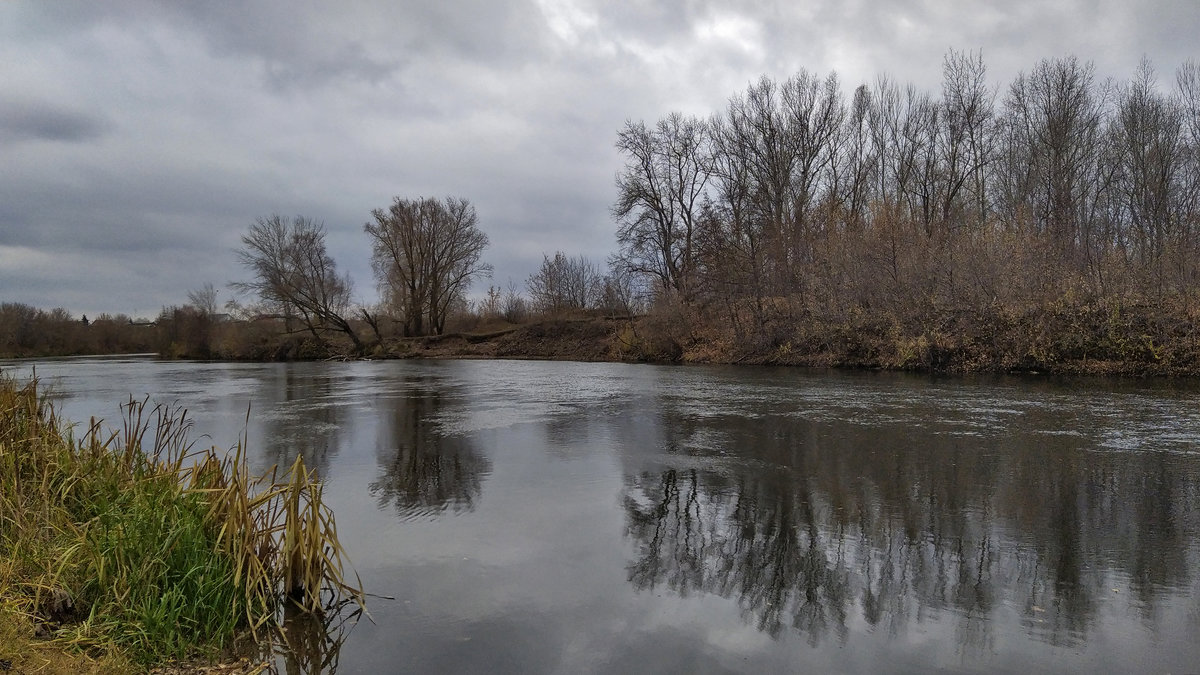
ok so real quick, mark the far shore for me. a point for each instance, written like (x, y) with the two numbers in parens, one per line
(1011, 349)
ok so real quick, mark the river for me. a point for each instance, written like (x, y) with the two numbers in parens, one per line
(553, 517)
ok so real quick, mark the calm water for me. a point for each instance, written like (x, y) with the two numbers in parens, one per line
(565, 517)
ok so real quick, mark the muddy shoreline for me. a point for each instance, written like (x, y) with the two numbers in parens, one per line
(640, 341)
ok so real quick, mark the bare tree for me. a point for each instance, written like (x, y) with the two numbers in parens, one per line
(426, 253)
(659, 195)
(622, 293)
(1150, 144)
(764, 156)
(491, 305)
(1055, 117)
(204, 299)
(564, 283)
(774, 162)
(1187, 79)
(731, 244)
(814, 113)
(515, 307)
(967, 144)
(188, 330)
(293, 270)
(920, 181)
(852, 172)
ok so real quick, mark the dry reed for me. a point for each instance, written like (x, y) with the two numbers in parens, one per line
(133, 546)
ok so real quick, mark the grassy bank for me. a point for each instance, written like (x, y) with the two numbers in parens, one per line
(122, 550)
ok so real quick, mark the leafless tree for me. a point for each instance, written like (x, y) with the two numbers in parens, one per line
(292, 269)
(1187, 80)
(920, 179)
(622, 293)
(515, 308)
(763, 159)
(1188, 90)
(1055, 117)
(852, 170)
(189, 330)
(426, 253)
(967, 145)
(204, 299)
(564, 283)
(732, 242)
(1150, 144)
(491, 306)
(659, 195)
(813, 112)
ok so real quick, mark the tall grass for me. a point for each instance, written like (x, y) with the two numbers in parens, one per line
(131, 544)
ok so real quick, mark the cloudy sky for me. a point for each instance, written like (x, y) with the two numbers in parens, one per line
(138, 140)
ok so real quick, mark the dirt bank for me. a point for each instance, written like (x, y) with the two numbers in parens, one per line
(1097, 341)
(561, 340)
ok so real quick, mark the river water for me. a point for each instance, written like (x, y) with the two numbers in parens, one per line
(549, 517)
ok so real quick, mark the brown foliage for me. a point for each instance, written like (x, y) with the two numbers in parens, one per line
(1057, 230)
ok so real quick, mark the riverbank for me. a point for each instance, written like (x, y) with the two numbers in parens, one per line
(1105, 338)
(126, 549)
(1068, 336)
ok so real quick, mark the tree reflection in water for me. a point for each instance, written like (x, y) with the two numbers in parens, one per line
(822, 527)
(423, 471)
(306, 423)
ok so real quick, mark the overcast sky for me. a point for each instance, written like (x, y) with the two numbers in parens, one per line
(138, 140)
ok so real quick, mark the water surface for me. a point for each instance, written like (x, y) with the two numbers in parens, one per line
(567, 517)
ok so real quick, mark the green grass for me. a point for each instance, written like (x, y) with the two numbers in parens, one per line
(130, 547)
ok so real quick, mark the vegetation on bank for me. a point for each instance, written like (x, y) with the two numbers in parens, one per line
(1069, 338)
(1052, 224)
(1070, 335)
(1049, 224)
(124, 549)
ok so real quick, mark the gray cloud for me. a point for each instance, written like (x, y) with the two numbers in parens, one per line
(141, 138)
(29, 120)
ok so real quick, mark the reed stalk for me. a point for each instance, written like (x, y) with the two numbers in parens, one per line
(131, 546)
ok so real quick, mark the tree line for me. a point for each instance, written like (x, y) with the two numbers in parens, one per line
(425, 254)
(796, 200)
(28, 331)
